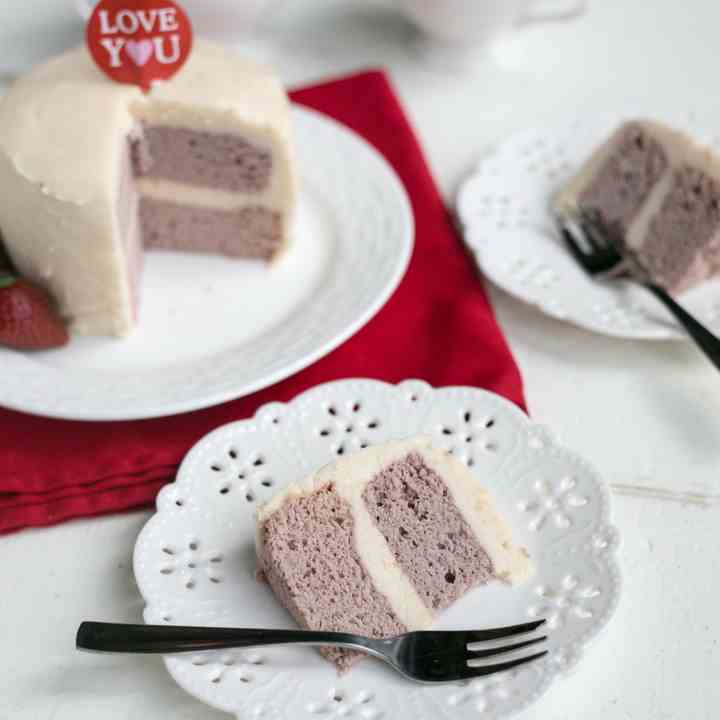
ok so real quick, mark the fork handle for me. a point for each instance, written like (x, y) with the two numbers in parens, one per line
(164, 639)
(704, 339)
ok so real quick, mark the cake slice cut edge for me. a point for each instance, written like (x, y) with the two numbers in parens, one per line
(380, 541)
(95, 172)
(659, 190)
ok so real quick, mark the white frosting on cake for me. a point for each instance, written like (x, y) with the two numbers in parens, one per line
(63, 144)
(350, 476)
(180, 193)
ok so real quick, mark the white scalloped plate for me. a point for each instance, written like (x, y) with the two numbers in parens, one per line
(504, 210)
(195, 559)
(213, 329)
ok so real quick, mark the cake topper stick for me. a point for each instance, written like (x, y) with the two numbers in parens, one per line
(139, 42)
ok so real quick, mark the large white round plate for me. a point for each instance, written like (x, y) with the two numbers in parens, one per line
(504, 210)
(195, 559)
(213, 329)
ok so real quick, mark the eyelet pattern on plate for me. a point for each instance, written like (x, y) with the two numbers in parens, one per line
(504, 208)
(557, 505)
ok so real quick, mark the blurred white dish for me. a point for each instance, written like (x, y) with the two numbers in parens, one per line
(505, 212)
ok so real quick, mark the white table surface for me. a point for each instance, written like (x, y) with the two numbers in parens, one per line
(644, 414)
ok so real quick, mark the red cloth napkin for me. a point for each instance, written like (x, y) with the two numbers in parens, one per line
(438, 327)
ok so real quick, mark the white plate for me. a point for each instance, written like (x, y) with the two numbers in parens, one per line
(214, 329)
(504, 209)
(195, 559)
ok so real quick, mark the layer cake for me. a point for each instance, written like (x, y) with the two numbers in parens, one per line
(382, 540)
(93, 172)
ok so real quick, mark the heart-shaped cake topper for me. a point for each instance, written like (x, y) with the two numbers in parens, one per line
(139, 41)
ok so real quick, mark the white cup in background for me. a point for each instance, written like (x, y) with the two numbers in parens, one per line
(479, 22)
(219, 18)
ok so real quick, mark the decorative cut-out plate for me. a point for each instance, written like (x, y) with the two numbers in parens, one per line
(195, 559)
(504, 210)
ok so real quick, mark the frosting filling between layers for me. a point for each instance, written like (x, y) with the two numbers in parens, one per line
(428, 536)
(312, 563)
(183, 194)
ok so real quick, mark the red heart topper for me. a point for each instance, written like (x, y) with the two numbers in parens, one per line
(139, 41)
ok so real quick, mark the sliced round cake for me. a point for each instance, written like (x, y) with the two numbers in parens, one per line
(382, 540)
(93, 171)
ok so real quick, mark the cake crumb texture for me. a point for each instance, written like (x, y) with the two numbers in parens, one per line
(626, 178)
(310, 560)
(428, 536)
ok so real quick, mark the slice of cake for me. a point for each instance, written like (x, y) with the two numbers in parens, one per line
(93, 171)
(660, 192)
(382, 540)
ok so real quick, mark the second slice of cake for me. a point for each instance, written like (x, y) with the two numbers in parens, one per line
(659, 192)
(380, 541)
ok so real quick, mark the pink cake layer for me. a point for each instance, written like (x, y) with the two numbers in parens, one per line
(681, 246)
(309, 557)
(201, 159)
(313, 567)
(252, 232)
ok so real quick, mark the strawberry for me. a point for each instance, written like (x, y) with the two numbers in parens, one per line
(28, 319)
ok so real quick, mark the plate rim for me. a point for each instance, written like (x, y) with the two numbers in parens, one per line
(466, 187)
(179, 407)
(605, 514)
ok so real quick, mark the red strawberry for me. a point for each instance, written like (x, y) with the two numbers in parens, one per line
(28, 319)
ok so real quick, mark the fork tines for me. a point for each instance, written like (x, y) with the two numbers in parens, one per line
(494, 648)
(594, 247)
(500, 633)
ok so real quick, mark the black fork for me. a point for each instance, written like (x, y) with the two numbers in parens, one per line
(425, 656)
(600, 253)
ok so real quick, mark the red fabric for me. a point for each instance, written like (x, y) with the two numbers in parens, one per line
(438, 327)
